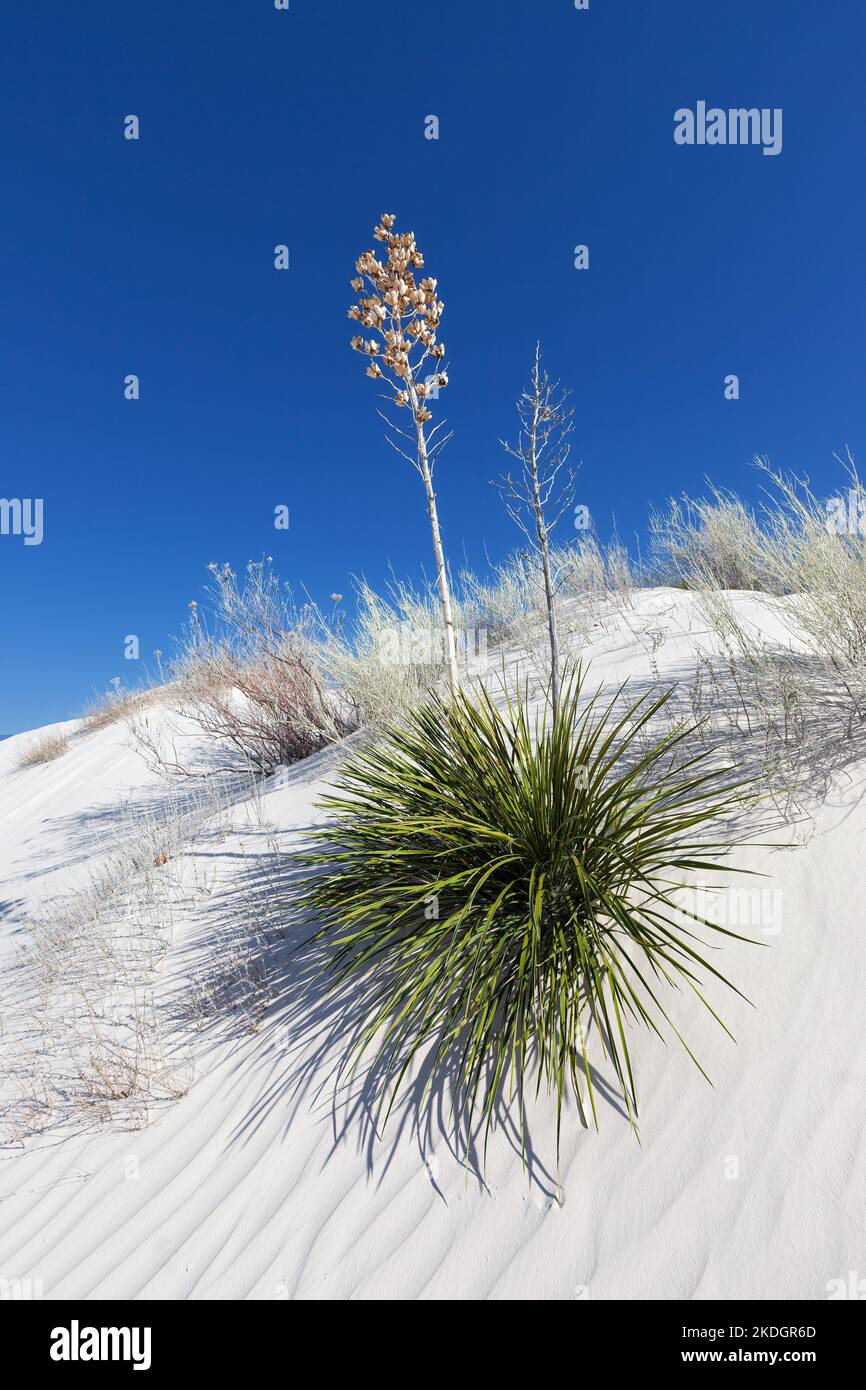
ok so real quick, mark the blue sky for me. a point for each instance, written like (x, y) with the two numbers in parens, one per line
(261, 127)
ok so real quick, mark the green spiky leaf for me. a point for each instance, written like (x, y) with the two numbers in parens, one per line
(507, 886)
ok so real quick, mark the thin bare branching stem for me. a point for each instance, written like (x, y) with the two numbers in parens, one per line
(538, 496)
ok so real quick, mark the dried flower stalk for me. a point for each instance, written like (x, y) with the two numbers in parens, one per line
(405, 312)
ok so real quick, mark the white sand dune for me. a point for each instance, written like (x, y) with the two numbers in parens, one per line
(256, 1182)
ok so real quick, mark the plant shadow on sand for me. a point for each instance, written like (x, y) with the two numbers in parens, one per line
(308, 1032)
(241, 977)
(794, 735)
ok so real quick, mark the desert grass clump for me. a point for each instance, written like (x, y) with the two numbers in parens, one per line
(394, 653)
(114, 705)
(507, 600)
(504, 885)
(714, 539)
(509, 604)
(44, 749)
(816, 553)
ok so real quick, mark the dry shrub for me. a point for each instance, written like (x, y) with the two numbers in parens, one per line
(253, 681)
(114, 705)
(44, 749)
(273, 711)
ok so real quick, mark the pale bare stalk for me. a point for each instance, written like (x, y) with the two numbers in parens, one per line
(533, 499)
(441, 570)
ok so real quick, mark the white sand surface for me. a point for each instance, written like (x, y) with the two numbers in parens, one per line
(243, 1176)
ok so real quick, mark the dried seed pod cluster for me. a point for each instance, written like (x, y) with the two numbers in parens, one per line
(405, 311)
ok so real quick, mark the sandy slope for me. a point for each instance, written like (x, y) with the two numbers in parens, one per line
(256, 1183)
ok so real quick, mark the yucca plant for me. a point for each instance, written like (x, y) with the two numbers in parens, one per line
(505, 883)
